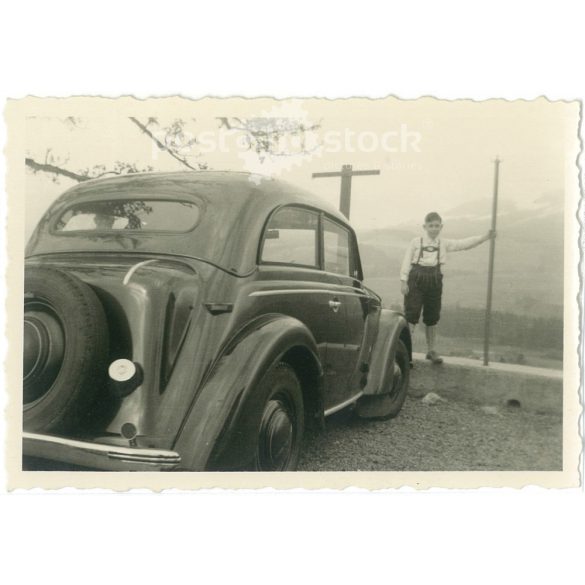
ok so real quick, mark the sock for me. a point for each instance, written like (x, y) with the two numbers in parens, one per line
(411, 326)
(431, 334)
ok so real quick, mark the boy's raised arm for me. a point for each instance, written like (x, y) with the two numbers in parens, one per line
(468, 243)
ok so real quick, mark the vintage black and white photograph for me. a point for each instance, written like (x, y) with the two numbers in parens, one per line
(300, 285)
(293, 292)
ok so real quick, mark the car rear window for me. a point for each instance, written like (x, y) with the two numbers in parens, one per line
(148, 215)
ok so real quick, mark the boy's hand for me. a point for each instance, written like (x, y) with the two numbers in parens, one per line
(489, 236)
(404, 288)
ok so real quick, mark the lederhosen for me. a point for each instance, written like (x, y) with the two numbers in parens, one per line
(425, 289)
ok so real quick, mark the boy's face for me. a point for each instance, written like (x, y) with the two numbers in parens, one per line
(433, 228)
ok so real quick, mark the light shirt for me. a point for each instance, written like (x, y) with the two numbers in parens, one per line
(428, 257)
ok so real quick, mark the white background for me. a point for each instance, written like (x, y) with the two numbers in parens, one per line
(447, 49)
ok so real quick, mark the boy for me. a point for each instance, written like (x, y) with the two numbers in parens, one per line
(422, 280)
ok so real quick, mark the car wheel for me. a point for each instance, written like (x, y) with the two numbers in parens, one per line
(388, 404)
(65, 348)
(281, 427)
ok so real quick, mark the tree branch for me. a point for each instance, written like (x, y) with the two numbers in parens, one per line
(160, 144)
(49, 168)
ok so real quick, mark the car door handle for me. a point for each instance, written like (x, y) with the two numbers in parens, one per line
(335, 304)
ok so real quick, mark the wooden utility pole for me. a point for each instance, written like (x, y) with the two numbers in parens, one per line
(488, 308)
(346, 174)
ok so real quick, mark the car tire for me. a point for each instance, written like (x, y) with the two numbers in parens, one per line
(65, 350)
(388, 404)
(280, 430)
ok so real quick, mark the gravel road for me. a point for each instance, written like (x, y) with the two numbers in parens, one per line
(449, 436)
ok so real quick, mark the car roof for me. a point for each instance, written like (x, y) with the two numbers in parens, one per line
(260, 190)
(236, 206)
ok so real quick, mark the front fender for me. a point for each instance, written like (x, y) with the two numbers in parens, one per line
(208, 438)
(391, 327)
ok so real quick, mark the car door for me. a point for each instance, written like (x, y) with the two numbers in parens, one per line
(340, 259)
(290, 281)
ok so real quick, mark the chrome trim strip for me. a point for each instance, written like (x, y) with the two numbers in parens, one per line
(170, 458)
(287, 291)
(110, 451)
(134, 268)
(343, 405)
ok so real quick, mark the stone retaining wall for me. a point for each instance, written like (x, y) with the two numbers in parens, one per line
(532, 389)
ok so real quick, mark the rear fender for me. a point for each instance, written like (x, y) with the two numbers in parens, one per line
(392, 327)
(211, 437)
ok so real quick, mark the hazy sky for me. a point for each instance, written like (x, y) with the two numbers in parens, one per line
(432, 154)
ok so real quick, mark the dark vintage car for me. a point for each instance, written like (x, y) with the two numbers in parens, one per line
(198, 321)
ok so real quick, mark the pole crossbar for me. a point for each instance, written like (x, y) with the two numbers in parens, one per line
(346, 174)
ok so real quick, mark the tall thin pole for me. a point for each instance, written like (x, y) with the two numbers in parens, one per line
(488, 308)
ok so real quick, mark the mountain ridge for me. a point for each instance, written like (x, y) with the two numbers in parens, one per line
(528, 274)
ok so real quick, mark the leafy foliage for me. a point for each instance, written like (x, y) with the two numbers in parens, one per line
(173, 139)
(272, 136)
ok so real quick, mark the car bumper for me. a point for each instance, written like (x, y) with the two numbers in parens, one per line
(97, 455)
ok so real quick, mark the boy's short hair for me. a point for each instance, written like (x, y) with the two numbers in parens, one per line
(433, 216)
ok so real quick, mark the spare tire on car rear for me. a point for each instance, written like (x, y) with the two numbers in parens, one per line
(65, 350)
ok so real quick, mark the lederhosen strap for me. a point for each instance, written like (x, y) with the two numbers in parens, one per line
(420, 252)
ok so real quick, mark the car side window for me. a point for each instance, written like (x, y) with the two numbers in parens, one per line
(291, 237)
(337, 248)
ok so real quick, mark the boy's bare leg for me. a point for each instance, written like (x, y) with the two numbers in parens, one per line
(431, 335)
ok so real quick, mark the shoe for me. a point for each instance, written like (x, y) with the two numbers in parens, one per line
(434, 357)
